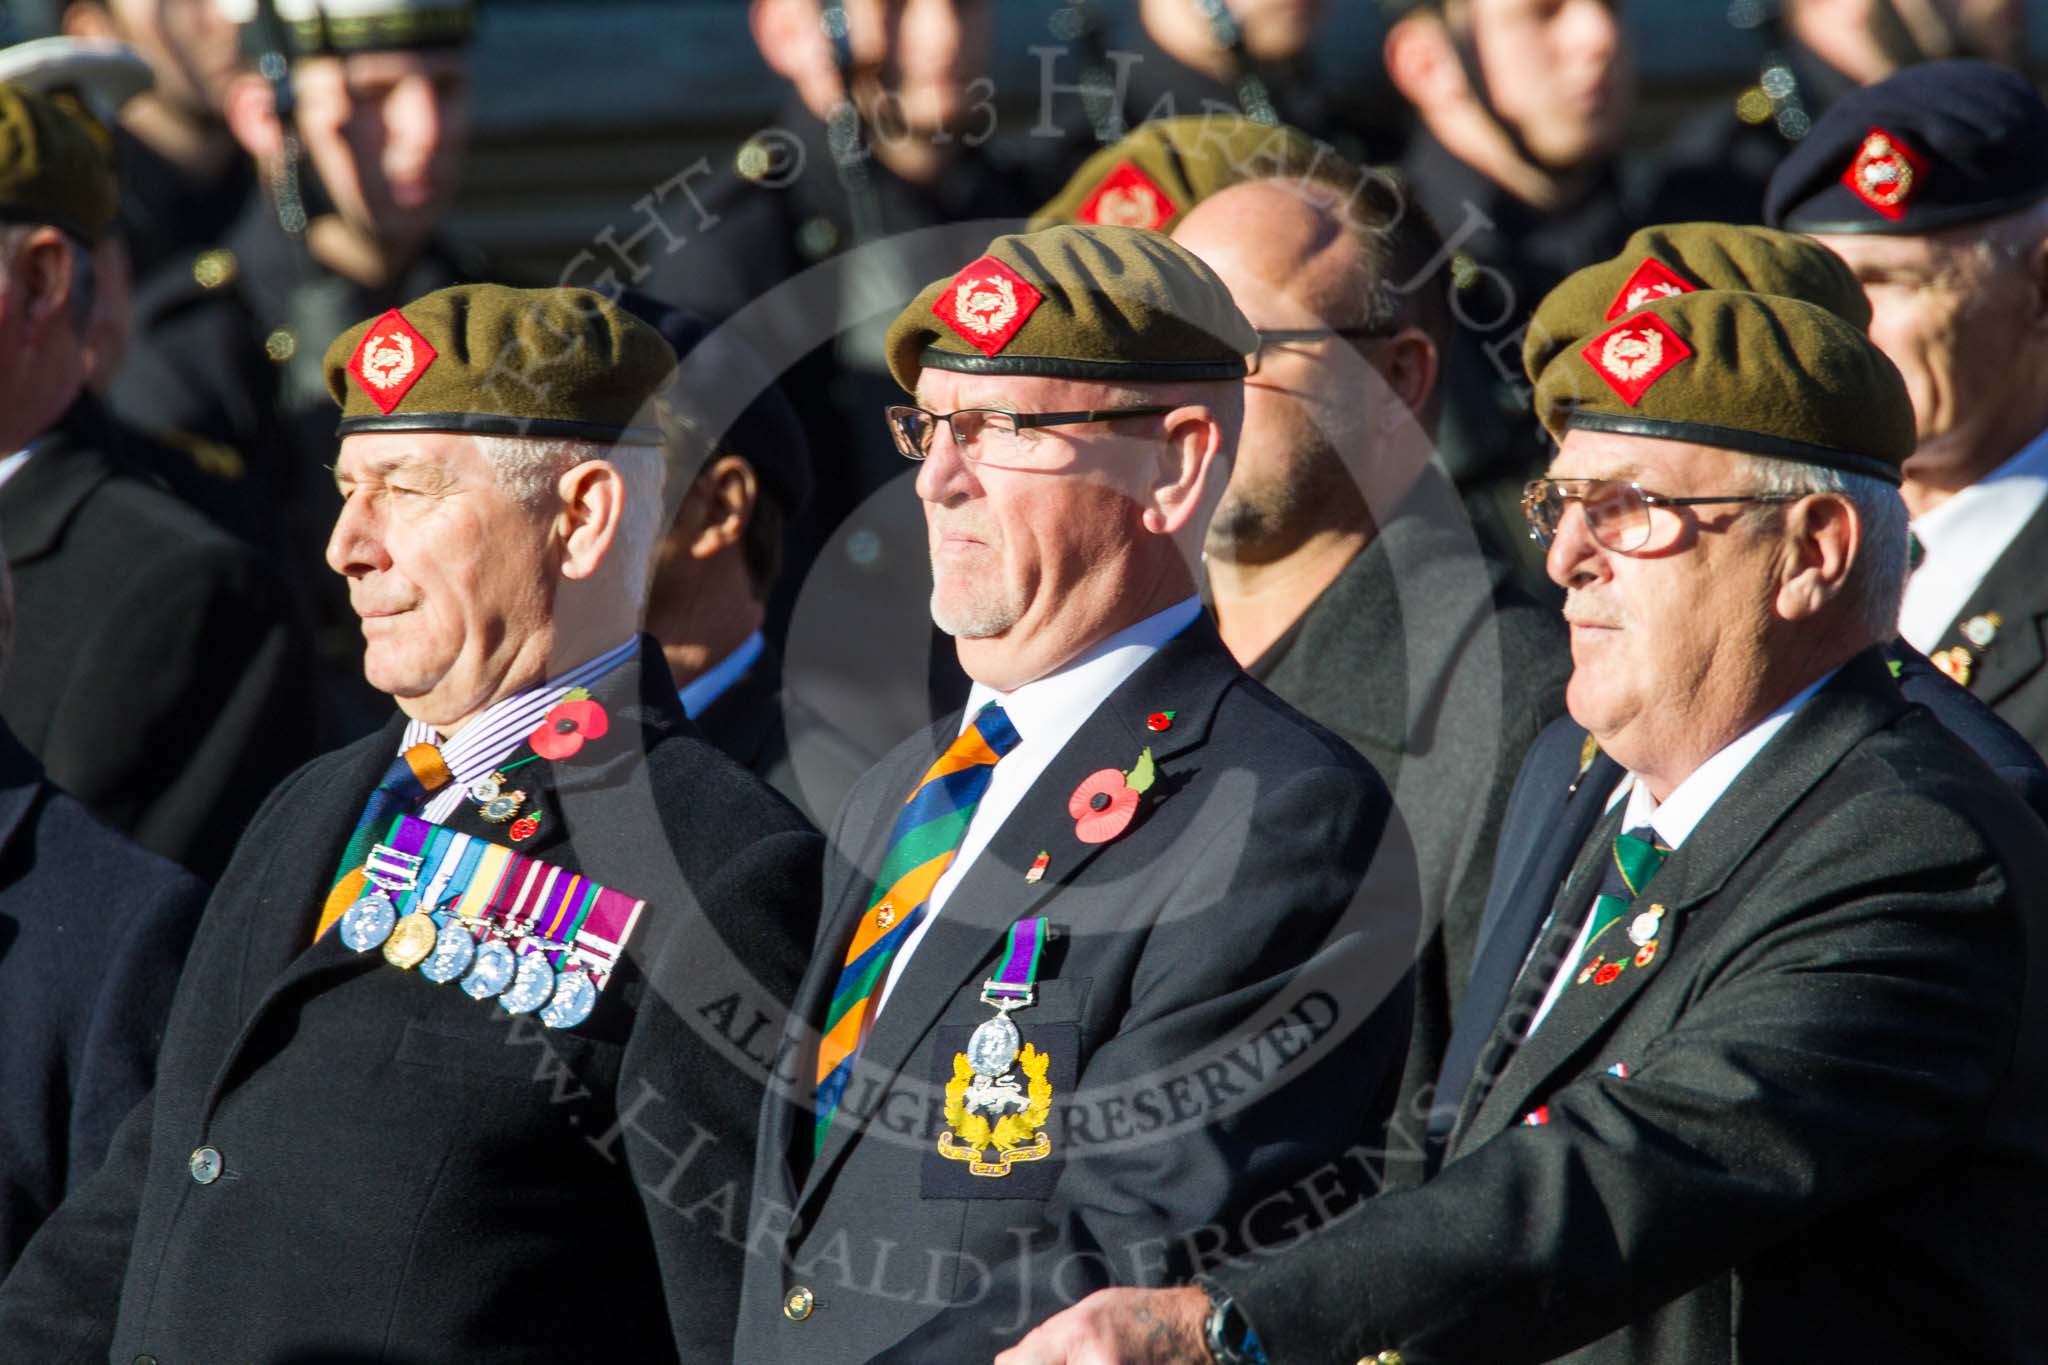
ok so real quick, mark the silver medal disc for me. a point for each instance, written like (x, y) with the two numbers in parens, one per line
(454, 951)
(1643, 928)
(993, 1046)
(369, 921)
(531, 985)
(493, 970)
(485, 788)
(575, 997)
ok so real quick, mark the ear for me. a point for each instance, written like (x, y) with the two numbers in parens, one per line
(87, 19)
(2034, 259)
(251, 114)
(1174, 500)
(1822, 538)
(1422, 63)
(791, 37)
(1408, 361)
(48, 272)
(720, 505)
(593, 508)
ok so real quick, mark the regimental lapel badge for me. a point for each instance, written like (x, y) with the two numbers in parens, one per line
(1106, 802)
(988, 1109)
(1588, 751)
(1036, 872)
(1956, 661)
(1982, 630)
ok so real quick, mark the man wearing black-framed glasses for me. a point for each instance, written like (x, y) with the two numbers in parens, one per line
(1193, 846)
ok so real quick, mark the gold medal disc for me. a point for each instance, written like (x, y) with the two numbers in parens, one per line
(411, 941)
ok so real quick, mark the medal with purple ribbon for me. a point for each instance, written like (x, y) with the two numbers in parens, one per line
(994, 1043)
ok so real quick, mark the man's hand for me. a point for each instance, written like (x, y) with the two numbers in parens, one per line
(1120, 1327)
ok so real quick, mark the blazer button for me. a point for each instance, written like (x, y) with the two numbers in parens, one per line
(145, 1360)
(798, 1305)
(205, 1165)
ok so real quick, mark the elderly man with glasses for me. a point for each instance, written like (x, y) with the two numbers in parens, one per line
(1785, 1016)
(1104, 978)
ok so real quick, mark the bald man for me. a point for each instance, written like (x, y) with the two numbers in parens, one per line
(1343, 572)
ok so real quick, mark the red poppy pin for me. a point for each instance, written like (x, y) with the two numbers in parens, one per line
(568, 723)
(1106, 801)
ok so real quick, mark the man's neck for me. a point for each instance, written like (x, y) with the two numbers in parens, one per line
(200, 147)
(1259, 600)
(1931, 482)
(355, 255)
(1472, 135)
(696, 636)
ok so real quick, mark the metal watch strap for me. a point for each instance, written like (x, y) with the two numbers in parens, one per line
(1225, 1332)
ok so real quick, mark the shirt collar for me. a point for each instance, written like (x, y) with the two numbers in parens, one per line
(1055, 705)
(710, 685)
(1993, 508)
(1679, 814)
(480, 746)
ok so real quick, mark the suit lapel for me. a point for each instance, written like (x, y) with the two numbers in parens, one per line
(2017, 593)
(40, 500)
(1857, 701)
(1189, 675)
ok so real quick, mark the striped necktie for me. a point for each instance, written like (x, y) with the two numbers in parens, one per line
(928, 831)
(400, 791)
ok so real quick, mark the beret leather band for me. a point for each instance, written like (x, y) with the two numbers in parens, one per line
(1733, 438)
(1927, 219)
(491, 424)
(1104, 371)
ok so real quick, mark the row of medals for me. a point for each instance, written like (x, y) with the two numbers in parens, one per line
(489, 965)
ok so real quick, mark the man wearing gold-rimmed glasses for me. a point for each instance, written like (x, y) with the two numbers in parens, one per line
(1783, 1017)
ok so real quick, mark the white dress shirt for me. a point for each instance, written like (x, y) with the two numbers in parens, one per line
(1679, 813)
(710, 685)
(480, 746)
(1964, 537)
(11, 466)
(1045, 714)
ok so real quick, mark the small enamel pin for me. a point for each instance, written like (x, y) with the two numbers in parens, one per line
(1036, 872)
(1982, 630)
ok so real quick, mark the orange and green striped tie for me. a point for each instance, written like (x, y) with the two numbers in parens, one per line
(416, 772)
(928, 830)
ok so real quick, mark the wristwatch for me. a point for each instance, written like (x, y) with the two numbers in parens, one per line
(1226, 1331)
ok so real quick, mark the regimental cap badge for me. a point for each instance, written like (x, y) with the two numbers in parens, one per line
(391, 359)
(1636, 354)
(1885, 173)
(986, 304)
(1652, 280)
(1127, 197)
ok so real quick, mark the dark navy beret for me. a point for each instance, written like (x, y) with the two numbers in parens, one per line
(1937, 145)
(768, 434)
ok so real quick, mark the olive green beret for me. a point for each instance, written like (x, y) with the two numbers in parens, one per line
(493, 360)
(1119, 305)
(1751, 372)
(53, 169)
(1164, 168)
(315, 28)
(1677, 258)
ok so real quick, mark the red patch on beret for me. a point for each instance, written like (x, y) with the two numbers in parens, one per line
(1651, 281)
(986, 304)
(1127, 197)
(390, 360)
(1885, 173)
(1635, 355)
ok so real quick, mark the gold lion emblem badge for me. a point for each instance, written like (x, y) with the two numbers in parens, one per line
(985, 304)
(388, 359)
(984, 1112)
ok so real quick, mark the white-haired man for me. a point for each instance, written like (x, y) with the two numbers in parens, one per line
(1786, 1015)
(503, 1126)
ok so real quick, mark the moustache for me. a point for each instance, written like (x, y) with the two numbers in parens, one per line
(1582, 610)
